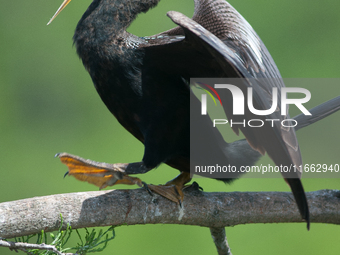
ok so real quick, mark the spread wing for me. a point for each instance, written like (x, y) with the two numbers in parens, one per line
(219, 42)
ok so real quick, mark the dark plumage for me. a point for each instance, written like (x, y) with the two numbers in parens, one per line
(144, 82)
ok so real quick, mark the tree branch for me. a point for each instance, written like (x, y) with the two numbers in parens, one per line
(220, 240)
(130, 207)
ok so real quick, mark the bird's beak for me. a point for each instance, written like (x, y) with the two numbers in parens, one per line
(62, 6)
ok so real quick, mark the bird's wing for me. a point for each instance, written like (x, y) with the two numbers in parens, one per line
(225, 45)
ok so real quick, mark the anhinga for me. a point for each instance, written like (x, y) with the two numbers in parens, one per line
(144, 82)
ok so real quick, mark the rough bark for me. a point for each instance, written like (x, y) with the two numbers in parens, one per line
(220, 240)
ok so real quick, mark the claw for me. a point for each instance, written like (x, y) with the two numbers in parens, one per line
(194, 186)
(147, 188)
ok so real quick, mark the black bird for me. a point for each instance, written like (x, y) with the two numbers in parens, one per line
(144, 82)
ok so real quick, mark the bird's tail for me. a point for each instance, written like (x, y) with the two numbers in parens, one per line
(318, 113)
(300, 198)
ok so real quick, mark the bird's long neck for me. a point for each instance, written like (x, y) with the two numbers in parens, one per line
(105, 22)
(101, 38)
(113, 15)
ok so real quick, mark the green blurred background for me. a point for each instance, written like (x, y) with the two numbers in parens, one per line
(48, 105)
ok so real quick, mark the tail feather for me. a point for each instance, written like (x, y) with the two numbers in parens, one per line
(300, 198)
(318, 113)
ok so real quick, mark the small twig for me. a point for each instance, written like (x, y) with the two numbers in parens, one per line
(29, 246)
(220, 240)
